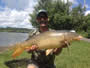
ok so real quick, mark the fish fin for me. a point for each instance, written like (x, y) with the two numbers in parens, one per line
(68, 44)
(15, 46)
(28, 47)
(48, 51)
(17, 52)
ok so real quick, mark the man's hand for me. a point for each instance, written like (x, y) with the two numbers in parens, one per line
(33, 48)
(57, 51)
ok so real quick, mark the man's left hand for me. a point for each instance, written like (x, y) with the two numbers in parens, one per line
(57, 51)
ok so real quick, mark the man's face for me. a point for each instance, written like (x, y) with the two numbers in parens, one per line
(42, 20)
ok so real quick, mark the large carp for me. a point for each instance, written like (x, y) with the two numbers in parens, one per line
(46, 40)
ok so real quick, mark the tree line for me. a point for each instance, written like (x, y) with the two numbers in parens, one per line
(18, 30)
(62, 16)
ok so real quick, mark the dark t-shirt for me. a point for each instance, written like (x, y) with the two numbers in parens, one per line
(39, 56)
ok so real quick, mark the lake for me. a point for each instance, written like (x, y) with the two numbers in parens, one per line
(7, 38)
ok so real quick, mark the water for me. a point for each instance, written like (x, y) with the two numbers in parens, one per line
(7, 38)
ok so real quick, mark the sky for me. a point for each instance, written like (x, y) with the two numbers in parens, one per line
(15, 13)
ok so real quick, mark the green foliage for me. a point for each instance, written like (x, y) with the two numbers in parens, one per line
(88, 25)
(88, 30)
(78, 18)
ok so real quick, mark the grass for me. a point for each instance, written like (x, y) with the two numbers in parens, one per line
(78, 57)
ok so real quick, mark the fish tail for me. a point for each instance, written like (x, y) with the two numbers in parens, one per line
(17, 52)
(19, 48)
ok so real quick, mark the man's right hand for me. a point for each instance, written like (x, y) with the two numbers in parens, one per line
(33, 48)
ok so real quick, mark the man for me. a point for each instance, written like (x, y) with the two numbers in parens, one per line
(39, 58)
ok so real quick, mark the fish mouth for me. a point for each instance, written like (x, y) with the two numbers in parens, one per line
(79, 38)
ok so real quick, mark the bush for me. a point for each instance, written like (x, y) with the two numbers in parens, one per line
(88, 31)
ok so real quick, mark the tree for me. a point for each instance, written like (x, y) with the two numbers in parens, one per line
(78, 18)
(60, 16)
(58, 13)
(88, 25)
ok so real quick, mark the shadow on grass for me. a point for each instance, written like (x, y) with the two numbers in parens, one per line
(20, 63)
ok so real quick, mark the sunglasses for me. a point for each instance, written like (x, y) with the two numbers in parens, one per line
(40, 18)
(43, 22)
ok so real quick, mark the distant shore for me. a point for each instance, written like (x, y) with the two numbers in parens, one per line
(21, 30)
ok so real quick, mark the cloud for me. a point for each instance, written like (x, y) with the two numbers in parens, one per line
(14, 18)
(16, 13)
(17, 4)
(73, 1)
(87, 6)
(87, 12)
